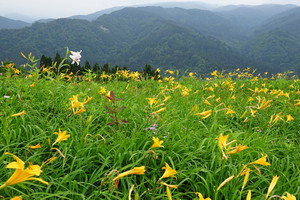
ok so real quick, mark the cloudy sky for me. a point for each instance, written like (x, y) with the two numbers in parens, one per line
(64, 8)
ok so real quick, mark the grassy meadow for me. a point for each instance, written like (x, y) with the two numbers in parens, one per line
(231, 136)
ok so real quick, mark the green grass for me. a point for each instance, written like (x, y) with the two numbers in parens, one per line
(190, 146)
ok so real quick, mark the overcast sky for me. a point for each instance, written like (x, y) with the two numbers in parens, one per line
(66, 8)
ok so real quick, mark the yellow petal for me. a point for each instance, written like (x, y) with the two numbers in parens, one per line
(19, 114)
(137, 170)
(169, 172)
(272, 185)
(225, 181)
(38, 146)
(156, 142)
(248, 195)
(262, 161)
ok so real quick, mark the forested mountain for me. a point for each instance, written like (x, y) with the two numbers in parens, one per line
(177, 38)
(6, 23)
(248, 18)
(277, 42)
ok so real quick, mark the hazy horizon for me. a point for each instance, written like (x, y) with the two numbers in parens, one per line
(32, 10)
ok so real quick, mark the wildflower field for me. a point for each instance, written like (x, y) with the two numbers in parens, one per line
(231, 136)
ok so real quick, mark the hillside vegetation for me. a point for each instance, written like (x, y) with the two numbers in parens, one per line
(184, 39)
(124, 135)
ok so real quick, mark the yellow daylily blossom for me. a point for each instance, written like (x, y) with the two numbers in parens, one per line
(81, 110)
(170, 186)
(88, 99)
(156, 142)
(289, 118)
(248, 195)
(230, 111)
(21, 174)
(204, 114)
(238, 149)
(152, 101)
(19, 114)
(298, 103)
(264, 104)
(62, 135)
(222, 140)
(102, 91)
(136, 170)
(225, 181)
(76, 104)
(169, 172)
(207, 102)
(158, 111)
(201, 196)
(275, 118)
(272, 185)
(262, 161)
(289, 197)
(38, 146)
(246, 171)
(17, 198)
(195, 108)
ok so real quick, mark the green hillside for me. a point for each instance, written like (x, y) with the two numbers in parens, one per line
(177, 38)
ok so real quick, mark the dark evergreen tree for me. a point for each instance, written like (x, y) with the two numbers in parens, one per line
(105, 68)
(45, 61)
(96, 68)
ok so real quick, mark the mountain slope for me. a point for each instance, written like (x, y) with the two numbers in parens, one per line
(130, 37)
(288, 21)
(247, 18)
(6, 23)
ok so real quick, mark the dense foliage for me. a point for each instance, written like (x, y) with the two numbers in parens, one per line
(120, 136)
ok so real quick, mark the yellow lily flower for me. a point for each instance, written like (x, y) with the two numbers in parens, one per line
(238, 149)
(246, 171)
(17, 198)
(248, 195)
(225, 181)
(170, 186)
(289, 197)
(289, 118)
(38, 146)
(81, 110)
(102, 91)
(169, 172)
(222, 140)
(262, 161)
(19, 114)
(61, 136)
(201, 196)
(205, 114)
(298, 103)
(158, 111)
(152, 101)
(157, 142)
(230, 112)
(272, 185)
(137, 170)
(21, 174)
(207, 102)
(88, 99)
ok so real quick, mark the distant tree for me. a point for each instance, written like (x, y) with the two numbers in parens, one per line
(105, 68)
(96, 68)
(115, 69)
(148, 71)
(45, 61)
(57, 58)
(87, 66)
